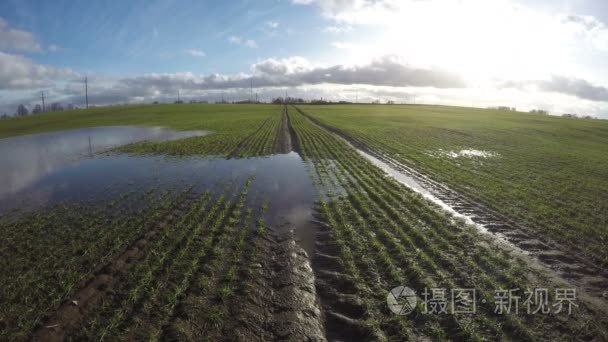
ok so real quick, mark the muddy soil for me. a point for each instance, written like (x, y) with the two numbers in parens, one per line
(559, 263)
(281, 302)
(69, 314)
(284, 138)
(344, 313)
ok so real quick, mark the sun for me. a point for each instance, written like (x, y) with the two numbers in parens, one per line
(481, 40)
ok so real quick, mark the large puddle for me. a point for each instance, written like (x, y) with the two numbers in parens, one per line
(45, 169)
(30, 158)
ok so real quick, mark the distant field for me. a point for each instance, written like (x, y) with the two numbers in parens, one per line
(550, 173)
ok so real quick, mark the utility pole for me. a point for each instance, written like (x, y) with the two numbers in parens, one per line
(86, 92)
(178, 96)
(42, 96)
(251, 91)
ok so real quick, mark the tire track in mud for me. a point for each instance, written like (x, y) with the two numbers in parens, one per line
(281, 301)
(295, 143)
(343, 310)
(91, 291)
(555, 261)
(343, 313)
(284, 139)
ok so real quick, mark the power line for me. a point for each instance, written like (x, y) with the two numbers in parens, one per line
(86, 92)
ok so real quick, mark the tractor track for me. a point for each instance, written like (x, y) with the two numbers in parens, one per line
(559, 263)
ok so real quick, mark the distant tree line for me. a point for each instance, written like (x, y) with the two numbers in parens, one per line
(510, 109)
(53, 107)
(577, 116)
(321, 101)
(288, 99)
(539, 111)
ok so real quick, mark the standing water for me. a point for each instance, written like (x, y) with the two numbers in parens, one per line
(45, 169)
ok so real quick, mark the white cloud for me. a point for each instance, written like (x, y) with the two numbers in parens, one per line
(250, 43)
(482, 39)
(337, 29)
(564, 85)
(17, 40)
(285, 66)
(272, 24)
(385, 78)
(270, 28)
(17, 72)
(342, 45)
(196, 52)
(235, 40)
(588, 29)
(54, 48)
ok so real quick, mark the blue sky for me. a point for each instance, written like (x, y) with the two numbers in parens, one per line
(133, 37)
(529, 54)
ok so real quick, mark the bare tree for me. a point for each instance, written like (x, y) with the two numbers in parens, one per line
(56, 107)
(37, 109)
(22, 110)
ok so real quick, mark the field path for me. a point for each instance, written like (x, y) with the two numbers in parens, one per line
(284, 143)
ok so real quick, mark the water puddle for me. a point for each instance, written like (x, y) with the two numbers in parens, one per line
(28, 159)
(46, 169)
(466, 153)
(557, 264)
(436, 193)
(413, 184)
(567, 270)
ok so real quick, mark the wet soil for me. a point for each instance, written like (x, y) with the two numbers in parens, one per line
(102, 281)
(343, 312)
(557, 262)
(299, 289)
(284, 137)
(281, 302)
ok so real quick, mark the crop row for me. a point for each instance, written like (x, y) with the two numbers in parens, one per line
(546, 173)
(151, 289)
(262, 141)
(390, 236)
(244, 135)
(176, 282)
(220, 288)
(46, 254)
